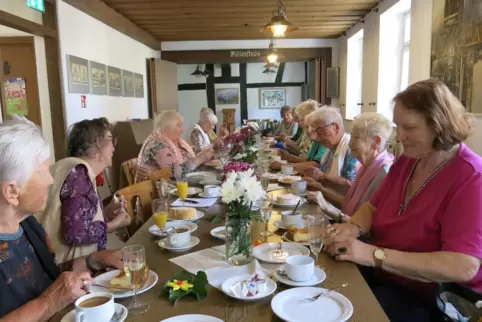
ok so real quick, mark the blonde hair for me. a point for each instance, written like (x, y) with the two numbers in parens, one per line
(306, 108)
(373, 124)
(166, 120)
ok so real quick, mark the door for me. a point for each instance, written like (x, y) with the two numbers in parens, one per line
(18, 78)
(165, 83)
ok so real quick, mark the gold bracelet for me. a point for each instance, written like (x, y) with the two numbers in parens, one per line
(357, 225)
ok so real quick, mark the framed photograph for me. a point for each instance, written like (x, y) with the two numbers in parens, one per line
(128, 83)
(272, 98)
(115, 81)
(138, 85)
(98, 78)
(78, 75)
(227, 96)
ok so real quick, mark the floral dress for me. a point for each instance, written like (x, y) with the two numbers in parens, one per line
(350, 165)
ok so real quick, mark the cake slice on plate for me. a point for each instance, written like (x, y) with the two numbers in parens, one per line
(122, 281)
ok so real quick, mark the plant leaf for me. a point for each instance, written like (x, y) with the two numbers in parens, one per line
(200, 285)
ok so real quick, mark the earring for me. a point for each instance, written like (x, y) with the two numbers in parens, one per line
(101, 158)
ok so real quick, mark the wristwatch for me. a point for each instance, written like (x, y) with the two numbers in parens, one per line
(379, 255)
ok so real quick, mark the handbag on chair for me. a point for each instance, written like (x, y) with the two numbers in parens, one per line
(459, 303)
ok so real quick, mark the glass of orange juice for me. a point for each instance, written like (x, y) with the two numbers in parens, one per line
(160, 212)
(182, 189)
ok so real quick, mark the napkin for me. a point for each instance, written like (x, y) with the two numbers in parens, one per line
(201, 203)
(273, 187)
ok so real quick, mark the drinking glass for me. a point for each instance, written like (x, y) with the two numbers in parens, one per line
(162, 189)
(160, 211)
(316, 234)
(134, 258)
(265, 182)
(266, 210)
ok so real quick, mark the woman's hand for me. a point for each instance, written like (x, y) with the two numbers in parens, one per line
(283, 137)
(224, 131)
(340, 232)
(68, 287)
(283, 153)
(106, 259)
(312, 184)
(317, 197)
(120, 221)
(276, 165)
(354, 251)
(314, 173)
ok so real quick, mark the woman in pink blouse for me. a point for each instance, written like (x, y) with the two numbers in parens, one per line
(425, 219)
(165, 148)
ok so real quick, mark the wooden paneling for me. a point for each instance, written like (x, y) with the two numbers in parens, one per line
(12, 21)
(231, 19)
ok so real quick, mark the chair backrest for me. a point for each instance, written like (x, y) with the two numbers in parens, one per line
(128, 173)
(164, 173)
(144, 190)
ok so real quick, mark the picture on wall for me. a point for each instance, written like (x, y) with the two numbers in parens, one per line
(227, 96)
(457, 49)
(98, 78)
(128, 83)
(271, 98)
(78, 75)
(138, 85)
(115, 81)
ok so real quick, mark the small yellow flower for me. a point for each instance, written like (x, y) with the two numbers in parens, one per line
(183, 285)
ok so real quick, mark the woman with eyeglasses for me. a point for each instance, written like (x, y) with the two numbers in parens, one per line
(74, 217)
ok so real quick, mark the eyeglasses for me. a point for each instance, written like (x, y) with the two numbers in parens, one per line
(112, 139)
(322, 128)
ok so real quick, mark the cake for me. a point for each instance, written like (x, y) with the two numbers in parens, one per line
(287, 199)
(251, 287)
(182, 213)
(122, 281)
(290, 179)
(298, 235)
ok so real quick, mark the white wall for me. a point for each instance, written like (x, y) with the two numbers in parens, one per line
(237, 107)
(247, 44)
(190, 104)
(88, 38)
(20, 8)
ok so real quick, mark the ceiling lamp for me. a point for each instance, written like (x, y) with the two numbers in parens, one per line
(269, 71)
(270, 66)
(197, 72)
(279, 24)
(272, 56)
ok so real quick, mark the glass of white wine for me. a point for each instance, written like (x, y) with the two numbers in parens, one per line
(134, 257)
(265, 210)
(316, 234)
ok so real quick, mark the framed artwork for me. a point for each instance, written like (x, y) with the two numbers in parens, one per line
(78, 75)
(227, 96)
(272, 98)
(98, 78)
(115, 81)
(127, 83)
(138, 85)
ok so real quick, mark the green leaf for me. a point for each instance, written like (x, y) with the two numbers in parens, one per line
(200, 285)
(216, 219)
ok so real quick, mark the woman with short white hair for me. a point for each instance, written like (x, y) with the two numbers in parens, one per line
(165, 148)
(370, 133)
(200, 133)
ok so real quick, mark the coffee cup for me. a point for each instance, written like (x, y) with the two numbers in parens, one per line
(275, 158)
(289, 219)
(299, 268)
(210, 178)
(287, 169)
(97, 306)
(179, 236)
(298, 187)
(211, 191)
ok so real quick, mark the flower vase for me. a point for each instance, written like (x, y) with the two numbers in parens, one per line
(239, 247)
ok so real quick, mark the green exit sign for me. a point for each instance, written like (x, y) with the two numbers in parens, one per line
(36, 4)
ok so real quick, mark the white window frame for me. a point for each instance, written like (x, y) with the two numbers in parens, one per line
(354, 75)
(406, 19)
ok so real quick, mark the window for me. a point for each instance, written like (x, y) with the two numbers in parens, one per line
(354, 75)
(406, 50)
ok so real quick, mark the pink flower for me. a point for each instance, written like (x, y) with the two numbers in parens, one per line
(237, 167)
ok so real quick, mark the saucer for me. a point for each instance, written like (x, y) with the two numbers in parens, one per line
(119, 316)
(211, 183)
(228, 288)
(194, 242)
(154, 230)
(280, 224)
(204, 195)
(191, 191)
(318, 277)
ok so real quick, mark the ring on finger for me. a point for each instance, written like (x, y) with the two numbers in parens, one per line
(342, 250)
(84, 283)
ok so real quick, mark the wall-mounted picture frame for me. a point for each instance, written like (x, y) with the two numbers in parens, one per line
(272, 98)
(227, 96)
(138, 85)
(127, 83)
(98, 78)
(78, 75)
(115, 81)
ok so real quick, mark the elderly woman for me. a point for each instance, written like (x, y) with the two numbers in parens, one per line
(370, 133)
(74, 215)
(165, 148)
(288, 126)
(425, 220)
(32, 286)
(212, 135)
(338, 165)
(200, 133)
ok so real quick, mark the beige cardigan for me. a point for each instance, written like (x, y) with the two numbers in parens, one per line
(51, 217)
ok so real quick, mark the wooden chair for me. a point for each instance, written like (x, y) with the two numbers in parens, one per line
(164, 173)
(128, 172)
(145, 191)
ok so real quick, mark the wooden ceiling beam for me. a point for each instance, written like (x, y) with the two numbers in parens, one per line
(156, 31)
(102, 12)
(16, 22)
(244, 20)
(239, 5)
(288, 3)
(219, 12)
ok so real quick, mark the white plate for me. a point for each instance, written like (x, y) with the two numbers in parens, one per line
(194, 242)
(263, 252)
(219, 232)
(273, 176)
(279, 223)
(203, 195)
(289, 306)
(214, 183)
(282, 205)
(191, 191)
(229, 283)
(105, 278)
(284, 179)
(198, 175)
(318, 277)
(193, 318)
(199, 215)
(213, 163)
(154, 230)
(120, 314)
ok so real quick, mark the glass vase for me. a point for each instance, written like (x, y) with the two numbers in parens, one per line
(239, 247)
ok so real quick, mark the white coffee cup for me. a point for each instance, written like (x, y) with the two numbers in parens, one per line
(211, 191)
(210, 178)
(299, 268)
(179, 239)
(298, 187)
(289, 219)
(287, 169)
(275, 158)
(99, 313)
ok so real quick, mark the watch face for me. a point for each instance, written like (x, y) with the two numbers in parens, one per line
(379, 254)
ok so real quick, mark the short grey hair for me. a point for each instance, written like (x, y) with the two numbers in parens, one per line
(306, 108)
(328, 114)
(208, 115)
(166, 120)
(374, 124)
(22, 149)
(285, 109)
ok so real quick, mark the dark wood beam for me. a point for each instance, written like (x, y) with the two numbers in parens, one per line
(243, 99)
(191, 87)
(279, 73)
(262, 85)
(12, 21)
(100, 11)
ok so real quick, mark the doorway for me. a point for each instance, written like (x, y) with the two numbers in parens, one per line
(18, 78)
